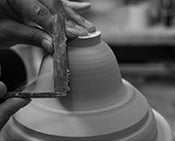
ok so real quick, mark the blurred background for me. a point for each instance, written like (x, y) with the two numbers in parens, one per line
(142, 35)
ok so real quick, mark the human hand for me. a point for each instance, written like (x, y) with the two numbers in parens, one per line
(9, 106)
(16, 17)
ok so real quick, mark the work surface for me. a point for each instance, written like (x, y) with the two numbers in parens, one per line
(160, 93)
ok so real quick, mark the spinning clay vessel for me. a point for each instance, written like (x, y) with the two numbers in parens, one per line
(100, 106)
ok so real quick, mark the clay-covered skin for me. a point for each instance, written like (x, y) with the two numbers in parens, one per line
(3, 88)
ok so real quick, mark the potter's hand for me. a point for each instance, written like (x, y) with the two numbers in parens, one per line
(30, 21)
(9, 106)
(75, 24)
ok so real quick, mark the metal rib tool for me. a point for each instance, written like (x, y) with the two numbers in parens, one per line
(33, 95)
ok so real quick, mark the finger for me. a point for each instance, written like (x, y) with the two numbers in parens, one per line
(34, 11)
(10, 107)
(77, 6)
(72, 33)
(15, 33)
(72, 15)
(73, 30)
(3, 89)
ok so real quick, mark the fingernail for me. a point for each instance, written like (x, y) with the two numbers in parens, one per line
(72, 33)
(90, 27)
(27, 101)
(3, 89)
(47, 45)
(86, 5)
(83, 32)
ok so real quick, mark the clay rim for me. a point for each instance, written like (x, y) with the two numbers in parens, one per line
(90, 35)
(83, 41)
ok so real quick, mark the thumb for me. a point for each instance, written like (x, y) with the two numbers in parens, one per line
(10, 107)
(13, 32)
(3, 89)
